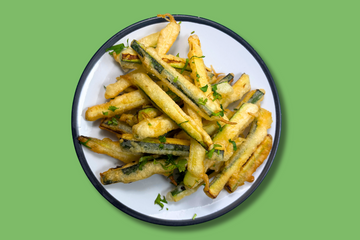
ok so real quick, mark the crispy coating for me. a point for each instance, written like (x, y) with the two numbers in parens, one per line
(241, 87)
(110, 148)
(245, 173)
(153, 127)
(123, 103)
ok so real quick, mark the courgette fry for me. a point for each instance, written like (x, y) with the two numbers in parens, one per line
(197, 152)
(181, 191)
(241, 87)
(123, 82)
(116, 106)
(243, 117)
(115, 126)
(167, 35)
(128, 58)
(155, 127)
(172, 146)
(187, 91)
(245, 174)
(146, 113)
(258, 132)
(128, 118)
(110, 148)
(164, 103)
(254, 96)
(134, 172)
(197, 65)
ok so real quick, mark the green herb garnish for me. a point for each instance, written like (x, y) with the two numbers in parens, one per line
(116, 48)
(186, 63)
(194, 216)
(162, 139)
(112, 108)
(161, 146)
(105, 87)
(160, 201)
(175, 79)
(220, 127)
(192, 32)
(84, 143)
(204, 88)
(202, 101)
(234, 144)
(105, 113)
(178, 55)
(149, 124)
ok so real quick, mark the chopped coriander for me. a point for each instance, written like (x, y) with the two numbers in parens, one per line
(167, 209)
(161, 146)
(105, 113)
(117, 116)
(186, 63)
(181, 165)
(143, 161)
(113, 122)
(210, 153)
(177, 55)
(192, 32)
(84, 143)
(202, 101)
(105, 87)
(149, 124)
(234, 144)
(112, 108)
(197, 77)
(180, 22)
(175, 79)
(160, 201)
(127, 43)
(162, 139)
(194, 216)
(220, 127)
(204, 88)
(215, 93)
(221, 113)
(116, 48)
(197, 57)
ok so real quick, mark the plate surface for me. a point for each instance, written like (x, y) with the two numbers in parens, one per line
(137, 199)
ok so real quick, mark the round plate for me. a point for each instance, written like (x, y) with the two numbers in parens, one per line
(223, 49)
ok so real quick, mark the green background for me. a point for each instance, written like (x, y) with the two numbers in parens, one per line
(311, 49)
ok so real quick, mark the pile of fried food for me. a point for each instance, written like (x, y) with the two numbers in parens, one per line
(171, 118)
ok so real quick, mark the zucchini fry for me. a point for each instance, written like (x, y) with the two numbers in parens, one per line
(155, 127)
(146, 113)
(254, 96)
(164, 103)
(197, 65)
(187, 91)
(245, 174)
(197, 152)
(123, 82)
(167, 35)
(228, 133)
(116, 106)
(173, 146)
(241, 87)
(258, 132)
(181, 191)
(128, 58)
(134, 172)
(110, 148)
(115, 126)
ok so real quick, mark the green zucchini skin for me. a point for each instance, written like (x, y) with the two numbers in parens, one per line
(175, 81)
(128, 174)
(256, 97)
(155, 148)
(227, 79)
(121, 127)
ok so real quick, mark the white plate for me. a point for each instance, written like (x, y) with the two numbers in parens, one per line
(223, 49)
